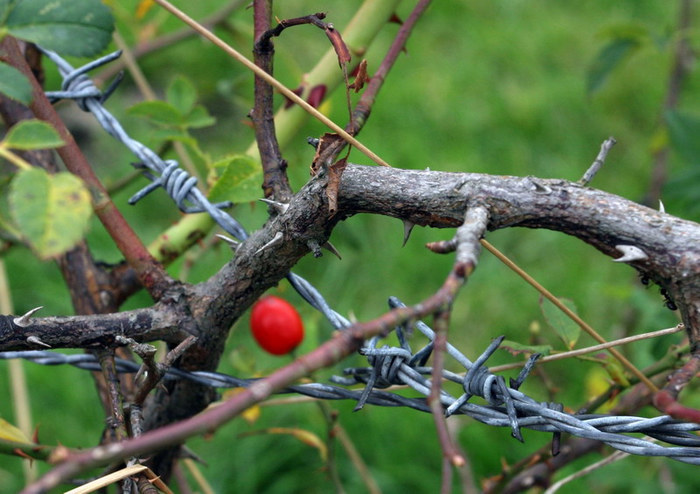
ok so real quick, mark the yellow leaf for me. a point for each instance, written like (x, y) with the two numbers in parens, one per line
(11, 433)
(306, 437)
(250, 415)
(142, 8)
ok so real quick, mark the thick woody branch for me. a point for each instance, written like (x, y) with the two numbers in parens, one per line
(94, 331)
(343, 344)
(438, 199)
(671, 246)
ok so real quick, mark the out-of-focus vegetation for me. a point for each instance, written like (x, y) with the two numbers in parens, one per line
(499, 87)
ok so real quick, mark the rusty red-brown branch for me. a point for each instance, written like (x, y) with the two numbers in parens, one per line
(665, 400)
(149, 271)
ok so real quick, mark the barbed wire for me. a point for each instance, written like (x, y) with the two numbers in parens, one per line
(506, 405)
(179, 185)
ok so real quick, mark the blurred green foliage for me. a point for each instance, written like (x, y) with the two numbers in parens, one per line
(500, 87)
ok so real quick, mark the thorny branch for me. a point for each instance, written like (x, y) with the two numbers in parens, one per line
(331, 352)
(670, 247)
(427, 198)
(275, 182)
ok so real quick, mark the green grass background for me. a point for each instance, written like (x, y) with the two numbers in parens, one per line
(494, 87)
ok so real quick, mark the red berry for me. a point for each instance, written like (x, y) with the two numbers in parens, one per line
(276, 325)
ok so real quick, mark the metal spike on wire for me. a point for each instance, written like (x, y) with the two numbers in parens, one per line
(506, 405)
(78, 86)
(391, 367)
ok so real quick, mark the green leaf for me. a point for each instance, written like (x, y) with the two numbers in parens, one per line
(33, 134)
(609, 57)
(181, 94)
(14, 84)
(615, 370)
(565, 328)
(158, 112)
(52, 211)
(239, 180)
(199, 117)
(684, 129)
(515, 348)
(79, 28)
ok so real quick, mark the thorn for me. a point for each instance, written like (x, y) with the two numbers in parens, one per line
(275, 240)
(662, 209)
(34, 340)
(630, 253)
(23, 321)
(407, 229)
(231, 242)
(331, 248)
(539, 187)
(280, 207)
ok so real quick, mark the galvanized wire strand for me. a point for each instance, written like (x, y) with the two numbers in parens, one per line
(77, 86)
(531, 414)
(177, 182)
(506, 406)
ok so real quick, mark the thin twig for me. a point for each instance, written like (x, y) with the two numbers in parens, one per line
(666, 399)
(288, 93)
(168, 40)
(275, 181)
(612, 458)
(449, 451)
(573, 316)
(594, 348)
(598, 162)
(364, 106)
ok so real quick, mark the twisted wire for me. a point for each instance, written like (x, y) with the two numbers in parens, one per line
(177, 183)
(530, 414)
(77, 85)
(506, 405)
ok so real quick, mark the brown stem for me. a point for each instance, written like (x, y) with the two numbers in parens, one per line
(363, 107)
(275, 181)
(450, 453)
(666, 399)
